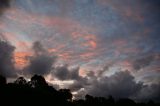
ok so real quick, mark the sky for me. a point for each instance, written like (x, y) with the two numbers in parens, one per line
(100, 47)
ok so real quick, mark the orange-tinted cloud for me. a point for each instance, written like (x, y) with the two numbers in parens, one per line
(52, 50)
(93, 44)
(64, 56)
(87, 55)
(89, 40)
(21, 60)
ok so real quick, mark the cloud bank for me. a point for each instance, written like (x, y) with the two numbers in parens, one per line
(121, 84)
(6, 59)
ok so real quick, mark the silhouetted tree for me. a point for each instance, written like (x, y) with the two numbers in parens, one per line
(38, 81)
(2, 80)
(110, 100)
(21, 81)
(66, 94)
(126, 102)
(89, 100)
(150, 103)
(38, 92)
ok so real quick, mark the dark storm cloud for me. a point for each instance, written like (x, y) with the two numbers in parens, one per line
(143, 62)
(41, 62)
(149, 92)
(4, 4)
(119, 85)
(6, 59)
(63, 73)
(123, 85)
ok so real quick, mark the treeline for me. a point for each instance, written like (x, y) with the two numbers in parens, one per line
(38, 92)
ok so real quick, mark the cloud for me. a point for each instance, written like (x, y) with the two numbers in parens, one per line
(4, 4)
(79, 84)
(41, 62)
(119, 85)
(63, 73)
(140, 63)
(38, 48)
(6, 59)
(149, 92)
(20, 59)
(122, 85)
(87, 37)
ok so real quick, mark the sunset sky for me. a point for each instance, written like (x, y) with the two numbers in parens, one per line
(99, 47)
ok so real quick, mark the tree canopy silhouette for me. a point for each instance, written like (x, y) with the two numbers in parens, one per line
(38, 92)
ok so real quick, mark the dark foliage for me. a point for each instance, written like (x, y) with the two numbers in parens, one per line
(38, 92)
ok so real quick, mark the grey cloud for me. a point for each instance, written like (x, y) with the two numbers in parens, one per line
(63, 73)
(38, 48)
(76, 86)
(149, 92)
(41, 62)
(143, 62)
(79, 84)
(120, 85)
(6, 59)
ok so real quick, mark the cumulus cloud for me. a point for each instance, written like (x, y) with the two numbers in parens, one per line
(41, 62)
(6, 59)
(64, 73)
(61, 73)
(149, 92)
(120, 85)
(79, 84)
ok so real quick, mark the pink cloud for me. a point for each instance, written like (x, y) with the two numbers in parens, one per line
(21, 60)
